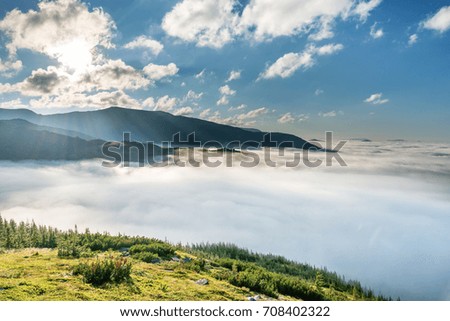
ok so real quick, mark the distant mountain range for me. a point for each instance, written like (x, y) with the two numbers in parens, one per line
(80, 135)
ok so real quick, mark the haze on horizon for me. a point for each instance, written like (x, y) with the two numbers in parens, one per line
(360, 68)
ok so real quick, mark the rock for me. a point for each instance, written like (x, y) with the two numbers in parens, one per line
(176, 259)
(250, 298)
(187, 260)
(202, 282)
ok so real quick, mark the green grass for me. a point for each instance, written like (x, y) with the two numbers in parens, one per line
(27, 276)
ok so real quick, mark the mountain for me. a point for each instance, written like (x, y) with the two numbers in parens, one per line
(153, 126)
(20, 139)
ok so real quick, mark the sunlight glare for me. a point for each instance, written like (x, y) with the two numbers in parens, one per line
(75, 55)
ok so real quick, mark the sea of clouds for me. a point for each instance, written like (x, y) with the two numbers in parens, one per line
(383, 219)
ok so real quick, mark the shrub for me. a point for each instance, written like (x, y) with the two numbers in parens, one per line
(163, 250)
(108, 270)
(146, 257)
(67, 249)
(195, 265)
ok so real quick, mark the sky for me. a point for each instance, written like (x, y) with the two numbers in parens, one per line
(373, 69)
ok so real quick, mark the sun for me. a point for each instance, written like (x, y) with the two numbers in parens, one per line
(75, 55)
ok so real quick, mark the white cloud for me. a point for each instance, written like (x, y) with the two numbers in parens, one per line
(223, 101)
(252, 114)
(214, 23)
(154, 46)
(328, 114)
(101, 99)
(110, 75)
(439, 21)
(318, 92)
(376, 99)
(149, 102)
(240, 107)
(272, 19)
(286, 118)
(157, 72)
(302, 117)
(206, 22)
(243, 119)
(363, 8)
(15, 103)
(413, 39)
(64, 30)
(10, 67)
(226, 90)
(183, 111)
(205, 113)
(192, 95)
(234, 74)
(166, 103)
(324, 29)
(200, 75)
(288, 64)
(376, 33)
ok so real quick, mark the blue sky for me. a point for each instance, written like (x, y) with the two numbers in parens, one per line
(372, 68)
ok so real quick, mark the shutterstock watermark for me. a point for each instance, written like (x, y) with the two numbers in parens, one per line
(189, 152)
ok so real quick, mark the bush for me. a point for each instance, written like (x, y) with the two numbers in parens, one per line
(146, 257)
(163, 250)
(109, 270)
(195, 265)
(69, 249)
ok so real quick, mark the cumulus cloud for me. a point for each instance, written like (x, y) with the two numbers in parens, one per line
(113, 74)
(183, 111)
(376, 33)
(207, 22)
(216, 23)
(15, 103)
(240, 107)
(74, 36)
(318, 92)
(290, 118)
(10, 67)
(413, 39)
(272, 19)
(241, 119)
(440, 21)
(149, 102)
(363, 8)
(286, 118)
(223, 101)
(382, 206)
(102, 99)
(288, 64)
(145, 42)
(158, 72)
(328, 114)
(166, 103)
(225, 91)
(376, 99)
(110, 75)
(59, 29)
(234, 75)
(205, 113)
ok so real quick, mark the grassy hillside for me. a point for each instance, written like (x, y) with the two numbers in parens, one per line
(43, 263)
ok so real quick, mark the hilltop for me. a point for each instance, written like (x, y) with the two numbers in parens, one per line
(44, 263)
